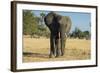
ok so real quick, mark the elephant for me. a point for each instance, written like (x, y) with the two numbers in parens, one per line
(59, 27)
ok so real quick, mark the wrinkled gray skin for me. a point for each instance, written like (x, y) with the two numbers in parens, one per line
(59, 26)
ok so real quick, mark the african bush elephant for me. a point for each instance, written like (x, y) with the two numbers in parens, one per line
(59, 27)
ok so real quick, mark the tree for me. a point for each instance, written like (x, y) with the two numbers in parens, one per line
(29, 22)
(42, 27)
(77, 33)
(42, 15)
(87, 35)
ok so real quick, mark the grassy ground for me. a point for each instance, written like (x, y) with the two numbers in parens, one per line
(37, 50)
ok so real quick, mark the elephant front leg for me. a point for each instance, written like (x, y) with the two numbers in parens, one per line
(63, 40)
(57, 44)
(62, 47)
(57, 49)
(51, 46)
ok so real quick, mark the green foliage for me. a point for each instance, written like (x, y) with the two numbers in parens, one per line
(43, 31)
(31, 24)
(42, 14)
(77, 33)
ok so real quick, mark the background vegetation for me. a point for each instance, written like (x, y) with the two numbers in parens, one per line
(35, 27)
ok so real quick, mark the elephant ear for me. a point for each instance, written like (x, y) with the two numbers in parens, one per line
(49, 18)
(66, 23)
(45, 20)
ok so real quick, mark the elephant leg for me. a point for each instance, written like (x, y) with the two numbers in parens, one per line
(63, 39)
(57, 47)
(52, 43)
(57, 44)
(62, 47)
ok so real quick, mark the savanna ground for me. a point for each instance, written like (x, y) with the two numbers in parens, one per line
(37, 50)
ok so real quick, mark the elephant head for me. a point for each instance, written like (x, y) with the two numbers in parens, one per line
(59, 26)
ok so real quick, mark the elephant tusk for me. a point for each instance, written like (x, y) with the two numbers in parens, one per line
(66, 35)
(59, 35)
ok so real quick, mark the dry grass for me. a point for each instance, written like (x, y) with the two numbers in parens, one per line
(36, 50)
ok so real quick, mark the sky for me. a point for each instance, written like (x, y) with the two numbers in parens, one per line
(79, 19)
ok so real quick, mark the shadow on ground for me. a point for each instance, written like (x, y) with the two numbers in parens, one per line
(37, 55)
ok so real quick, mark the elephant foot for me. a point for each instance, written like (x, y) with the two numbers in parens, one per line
(62, 54)
(57, 55)
(50, 56)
